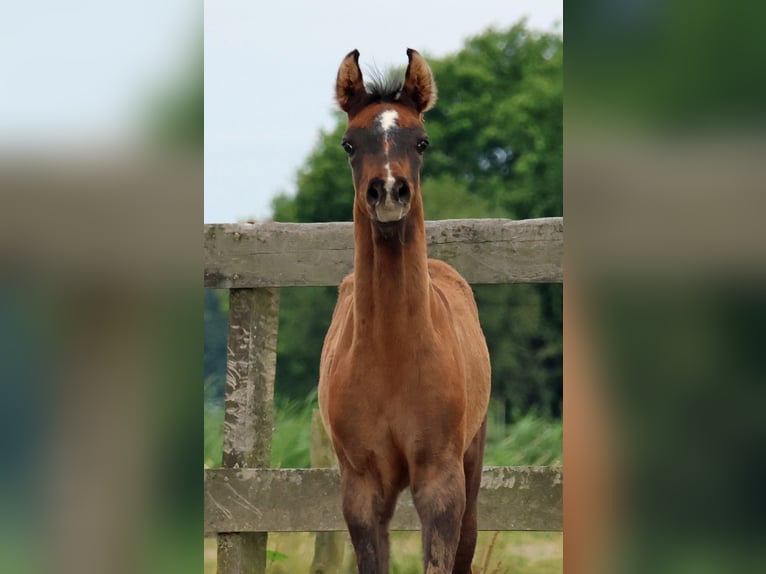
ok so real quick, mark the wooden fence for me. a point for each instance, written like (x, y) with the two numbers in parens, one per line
(245, 499)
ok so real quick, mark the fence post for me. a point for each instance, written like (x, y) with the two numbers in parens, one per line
(249, 414)
(328, 546)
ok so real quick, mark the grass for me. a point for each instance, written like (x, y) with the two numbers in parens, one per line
(531, 440)
(496, 553)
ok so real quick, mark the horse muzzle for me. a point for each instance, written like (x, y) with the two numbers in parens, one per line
(388, 200)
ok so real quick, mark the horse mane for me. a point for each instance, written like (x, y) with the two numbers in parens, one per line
(384, 86)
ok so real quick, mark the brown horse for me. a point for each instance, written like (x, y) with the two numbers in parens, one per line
(405, 375)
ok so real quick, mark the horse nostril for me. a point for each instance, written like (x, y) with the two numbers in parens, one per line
(373, 194)
(404, 192)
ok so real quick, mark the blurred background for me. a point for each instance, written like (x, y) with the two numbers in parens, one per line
(664, 298)
(101, 148)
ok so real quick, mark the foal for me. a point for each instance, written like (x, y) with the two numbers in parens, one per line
(404, 376)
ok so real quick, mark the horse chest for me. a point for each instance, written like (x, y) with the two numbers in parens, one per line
(371, 403)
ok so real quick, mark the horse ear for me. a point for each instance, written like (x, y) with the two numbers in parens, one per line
(419, 82)
(349, 86)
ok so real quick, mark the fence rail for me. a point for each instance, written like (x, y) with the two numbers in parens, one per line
(292, 254)
(244, 500)
(308, 500)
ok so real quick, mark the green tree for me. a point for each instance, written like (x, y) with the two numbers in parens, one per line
(498, 123)
(496, 135)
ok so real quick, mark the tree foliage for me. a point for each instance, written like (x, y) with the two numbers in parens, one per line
(496, 135)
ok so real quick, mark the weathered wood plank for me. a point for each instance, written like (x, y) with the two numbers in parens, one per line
(292, 254)
(249, 412)
(250, 371)
(308, 500)
(242, 552)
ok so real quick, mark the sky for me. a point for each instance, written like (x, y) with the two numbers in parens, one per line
(270, 70)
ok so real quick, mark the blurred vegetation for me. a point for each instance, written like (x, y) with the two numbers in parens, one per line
(496, 151)
(175, 117)
(648, 67)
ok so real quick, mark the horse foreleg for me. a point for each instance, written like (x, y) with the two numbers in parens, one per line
(472, 464)
(362, 506)
(439, 497)
(384, 545)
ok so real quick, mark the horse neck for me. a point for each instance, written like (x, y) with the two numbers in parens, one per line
(391, 281)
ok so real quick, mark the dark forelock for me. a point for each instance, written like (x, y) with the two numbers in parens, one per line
(384, 86)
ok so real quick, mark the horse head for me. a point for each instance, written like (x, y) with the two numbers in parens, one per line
(386, 138)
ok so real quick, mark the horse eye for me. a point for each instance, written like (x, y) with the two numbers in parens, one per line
(422, 145)
(347, 147)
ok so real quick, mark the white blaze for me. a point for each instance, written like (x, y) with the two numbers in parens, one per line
(387, 120)
(390, 181)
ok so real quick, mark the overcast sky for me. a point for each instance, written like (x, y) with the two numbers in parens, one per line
(270, 71)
